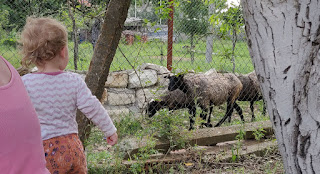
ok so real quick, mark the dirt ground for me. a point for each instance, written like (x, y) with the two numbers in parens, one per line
(270, 163)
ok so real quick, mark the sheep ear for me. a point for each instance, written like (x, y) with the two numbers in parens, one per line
(180, 75)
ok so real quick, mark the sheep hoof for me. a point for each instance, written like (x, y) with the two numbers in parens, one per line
(207, 124)
(191, 128)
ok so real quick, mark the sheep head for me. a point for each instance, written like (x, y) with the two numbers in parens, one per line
(175, 82)
(153, 107)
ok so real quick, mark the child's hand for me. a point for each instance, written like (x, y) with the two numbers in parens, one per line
(113, 139)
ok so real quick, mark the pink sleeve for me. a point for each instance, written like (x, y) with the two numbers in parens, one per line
(89, 105)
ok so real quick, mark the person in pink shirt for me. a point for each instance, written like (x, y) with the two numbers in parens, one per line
(56, 95)
(21, 148)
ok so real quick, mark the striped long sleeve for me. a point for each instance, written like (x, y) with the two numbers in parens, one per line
(56, 97)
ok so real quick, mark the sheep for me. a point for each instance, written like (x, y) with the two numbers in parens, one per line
(213, 89)
(23, 71)
(251, 91)
(173, 100)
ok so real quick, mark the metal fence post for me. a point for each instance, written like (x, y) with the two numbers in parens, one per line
(170, 37)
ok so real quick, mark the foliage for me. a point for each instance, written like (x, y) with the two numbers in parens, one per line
(11, 39)
(127, 125)
(4, 13)
(143, 154)
(219, 5)
(170, 126)
(259, 133)
(229, 21)
(193, 20)
(239, 138)
(164, 8)
(20, 10)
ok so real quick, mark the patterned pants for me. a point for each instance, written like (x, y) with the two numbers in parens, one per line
(65, 154)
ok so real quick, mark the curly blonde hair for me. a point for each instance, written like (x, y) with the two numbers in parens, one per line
(42, 39)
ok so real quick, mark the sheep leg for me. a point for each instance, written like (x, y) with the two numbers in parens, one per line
(204, 115)
(252, 110)
(192, 113)
(209, 116)
(239, 110)
(227, 115)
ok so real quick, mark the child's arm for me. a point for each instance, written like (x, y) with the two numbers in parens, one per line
(89, 105)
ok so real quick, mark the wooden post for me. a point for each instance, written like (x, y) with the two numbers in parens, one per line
(170, 37)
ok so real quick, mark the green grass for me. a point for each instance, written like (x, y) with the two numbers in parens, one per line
(150, 52)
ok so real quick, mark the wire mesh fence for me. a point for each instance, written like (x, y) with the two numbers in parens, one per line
(207, 37)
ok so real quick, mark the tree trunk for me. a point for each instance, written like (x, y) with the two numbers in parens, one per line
(95, 31)
(191, 47)
(234, 42)
(103, 54)
(74, 36)
(283, 39)
(209, 43)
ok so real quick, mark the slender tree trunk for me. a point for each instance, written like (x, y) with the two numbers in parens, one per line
(209, 43)
(234, 42)
(74, 36)
(103, 54)
(191, 47)
(283, 39)
(95, 31)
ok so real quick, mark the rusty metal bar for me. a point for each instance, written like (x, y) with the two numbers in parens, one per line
(170, 37)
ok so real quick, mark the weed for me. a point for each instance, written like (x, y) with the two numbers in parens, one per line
(170, 126)
(259, 133)
(143, 154)
(128, 125)
(239, 138)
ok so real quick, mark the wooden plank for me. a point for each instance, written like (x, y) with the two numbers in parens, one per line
(213, 136)
(213, 154)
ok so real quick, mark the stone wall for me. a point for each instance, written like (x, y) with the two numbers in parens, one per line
(128, 91)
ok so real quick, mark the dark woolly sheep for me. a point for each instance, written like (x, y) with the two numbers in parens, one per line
(173, 100)
(23, 71)
(208, 90)
(251, 91)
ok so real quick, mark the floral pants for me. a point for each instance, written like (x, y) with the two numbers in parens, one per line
(65, 154)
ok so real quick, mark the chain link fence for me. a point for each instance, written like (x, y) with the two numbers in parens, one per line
(206, 38)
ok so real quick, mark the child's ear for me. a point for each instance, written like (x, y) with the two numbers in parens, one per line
(64, 52)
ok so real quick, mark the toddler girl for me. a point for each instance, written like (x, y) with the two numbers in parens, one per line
(56, 95)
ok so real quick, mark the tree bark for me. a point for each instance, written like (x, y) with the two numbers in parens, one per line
(283, 39)
(103, 54)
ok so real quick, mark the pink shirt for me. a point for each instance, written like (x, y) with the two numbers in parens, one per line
(21, 149)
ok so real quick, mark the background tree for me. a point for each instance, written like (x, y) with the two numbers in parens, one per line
(284, 40)
(192, 20)
(80, 15)
(20, 10)
(103, 55)
(231, 23)
(214, 7)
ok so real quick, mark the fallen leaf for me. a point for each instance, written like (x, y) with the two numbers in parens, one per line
(188, 164)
